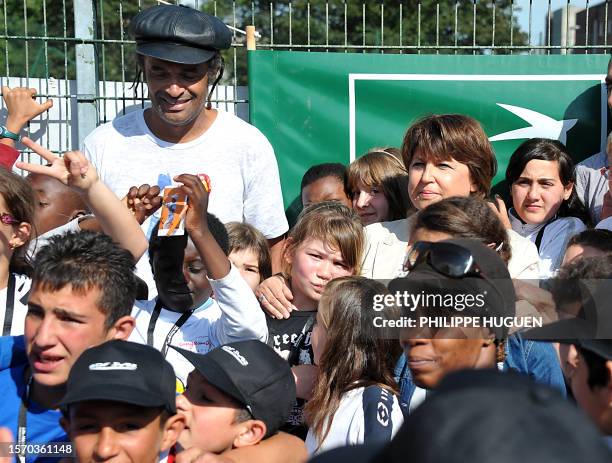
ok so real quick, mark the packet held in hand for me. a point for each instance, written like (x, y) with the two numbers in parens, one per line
(174, 208)
(206, 182)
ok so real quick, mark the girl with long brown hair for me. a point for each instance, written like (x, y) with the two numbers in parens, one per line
(354, 399)
(326, 243)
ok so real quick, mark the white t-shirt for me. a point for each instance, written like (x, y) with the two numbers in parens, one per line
(591, 186)
(366, 415)
(234, 315)
(42, 240)
(20, 305)
(235, 155)
(554, 240)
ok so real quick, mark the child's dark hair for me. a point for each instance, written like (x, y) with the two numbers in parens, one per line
(164, 415)
(544, 149)
(242, 415)
(598, 376)
(596, 238)
(243, 236)
(465, 217)
(328, 169)
(20, 201)
(217, 230)
(87, 260)
(578, 279)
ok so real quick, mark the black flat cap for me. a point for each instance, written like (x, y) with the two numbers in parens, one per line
(179, 34)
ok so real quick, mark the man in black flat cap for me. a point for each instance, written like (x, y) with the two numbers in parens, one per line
(178, 51)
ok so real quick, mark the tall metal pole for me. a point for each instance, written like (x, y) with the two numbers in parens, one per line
(86, 69)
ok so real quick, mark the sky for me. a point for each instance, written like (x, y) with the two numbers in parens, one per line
(539, 12)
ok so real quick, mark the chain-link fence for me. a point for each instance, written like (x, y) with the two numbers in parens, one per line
(78, 52)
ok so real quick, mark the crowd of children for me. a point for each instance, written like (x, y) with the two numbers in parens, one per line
(328, 377)
(224, 344)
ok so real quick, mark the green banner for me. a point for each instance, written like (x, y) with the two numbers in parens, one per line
(334, 107)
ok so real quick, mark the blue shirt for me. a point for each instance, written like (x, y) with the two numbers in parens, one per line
(42, 424)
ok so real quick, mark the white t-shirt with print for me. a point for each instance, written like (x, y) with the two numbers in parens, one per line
(234, 315)
(235, 155)
(365, 415)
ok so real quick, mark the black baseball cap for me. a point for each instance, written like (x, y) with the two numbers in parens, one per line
(122, 371)
(601, 347)
(492, 281)
(253, 374)
(486, 415)
(179, 34)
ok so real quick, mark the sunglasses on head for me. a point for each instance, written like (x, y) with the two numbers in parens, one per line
(448, 259)
(8, 219)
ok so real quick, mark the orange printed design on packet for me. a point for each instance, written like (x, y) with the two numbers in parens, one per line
(206, 182)
(174, 207)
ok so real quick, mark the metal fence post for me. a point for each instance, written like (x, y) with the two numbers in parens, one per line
(86, 69)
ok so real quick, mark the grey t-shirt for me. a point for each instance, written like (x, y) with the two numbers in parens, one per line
(591, 186)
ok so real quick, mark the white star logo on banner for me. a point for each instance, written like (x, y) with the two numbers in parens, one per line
(542, 126)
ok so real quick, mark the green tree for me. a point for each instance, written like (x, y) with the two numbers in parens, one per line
(382, 26)
(335, 26)
(23, 56)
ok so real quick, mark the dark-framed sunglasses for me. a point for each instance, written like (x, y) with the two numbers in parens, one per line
(449, 259)
(8, 219)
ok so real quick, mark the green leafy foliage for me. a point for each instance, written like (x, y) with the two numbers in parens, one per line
(408, 26)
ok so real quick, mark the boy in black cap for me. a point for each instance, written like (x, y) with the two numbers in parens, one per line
(238, 395)
(120, 404)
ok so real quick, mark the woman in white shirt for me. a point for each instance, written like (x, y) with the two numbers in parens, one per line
(445, 155)
(546, 208)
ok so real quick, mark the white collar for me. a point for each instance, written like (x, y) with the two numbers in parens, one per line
(525, 229)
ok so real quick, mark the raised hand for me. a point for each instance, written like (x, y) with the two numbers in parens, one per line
(72, 169)
(143, 201)
(22, 107)
(499, 207)
(195, 219)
